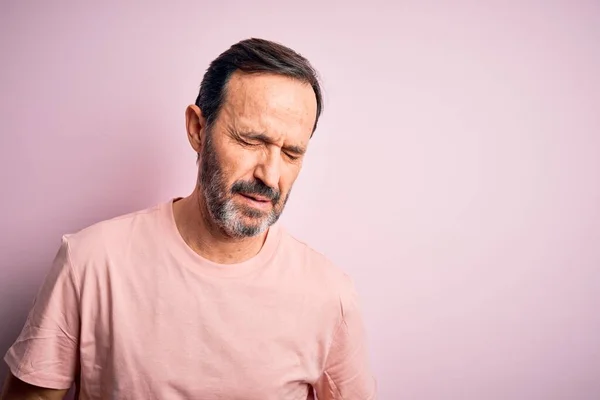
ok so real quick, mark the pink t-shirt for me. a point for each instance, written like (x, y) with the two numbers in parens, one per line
(139, 315)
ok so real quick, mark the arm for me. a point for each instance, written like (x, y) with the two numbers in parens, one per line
(346, 375)
(15, 389)
(43, 360)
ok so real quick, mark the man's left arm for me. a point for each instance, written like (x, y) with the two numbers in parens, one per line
(347, 375)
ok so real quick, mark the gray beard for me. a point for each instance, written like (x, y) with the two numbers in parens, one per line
(230, 218)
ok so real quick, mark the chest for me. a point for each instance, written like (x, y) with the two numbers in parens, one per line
(178, 337)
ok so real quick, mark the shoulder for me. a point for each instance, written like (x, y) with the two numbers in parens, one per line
(320, 272)
(102, 239)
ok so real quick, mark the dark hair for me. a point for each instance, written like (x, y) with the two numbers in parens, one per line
(253, 56)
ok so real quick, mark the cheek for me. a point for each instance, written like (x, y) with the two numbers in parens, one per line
(238, 165)
(288, 177)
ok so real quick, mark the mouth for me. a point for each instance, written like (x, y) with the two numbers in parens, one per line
(256, 197)
(256, 200)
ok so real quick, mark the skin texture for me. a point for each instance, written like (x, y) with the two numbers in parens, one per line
(256, 146)
(259, 137)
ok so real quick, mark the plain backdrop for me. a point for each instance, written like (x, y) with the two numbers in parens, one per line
(455, 173)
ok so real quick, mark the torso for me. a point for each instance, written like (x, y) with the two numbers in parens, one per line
(159, 322)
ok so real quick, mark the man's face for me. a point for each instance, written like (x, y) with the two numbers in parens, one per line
(253, 152)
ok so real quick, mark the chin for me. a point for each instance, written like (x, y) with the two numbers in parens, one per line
(242, 221)
(245, 227)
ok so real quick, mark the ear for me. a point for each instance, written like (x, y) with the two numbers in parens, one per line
(196, 127)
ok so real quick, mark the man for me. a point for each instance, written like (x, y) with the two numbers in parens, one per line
(207, 296)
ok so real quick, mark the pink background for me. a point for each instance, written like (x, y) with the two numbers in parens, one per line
(455, 174)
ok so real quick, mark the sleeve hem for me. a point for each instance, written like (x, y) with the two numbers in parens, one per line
(55, 384)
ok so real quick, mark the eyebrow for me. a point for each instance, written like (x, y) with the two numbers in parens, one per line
(266, 139)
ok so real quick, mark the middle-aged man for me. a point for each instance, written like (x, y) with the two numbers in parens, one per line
(206, 297)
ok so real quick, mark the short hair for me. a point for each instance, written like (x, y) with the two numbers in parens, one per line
(253, 56)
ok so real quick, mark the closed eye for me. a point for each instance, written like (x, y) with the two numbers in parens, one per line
(250, 139)
(250, 142)
(292, 157)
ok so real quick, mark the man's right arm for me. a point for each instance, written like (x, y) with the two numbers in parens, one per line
(16, 389)
(43, 360)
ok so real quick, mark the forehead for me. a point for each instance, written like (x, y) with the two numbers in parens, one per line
(276, 105)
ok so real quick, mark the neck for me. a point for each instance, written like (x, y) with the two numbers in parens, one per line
(206, 239)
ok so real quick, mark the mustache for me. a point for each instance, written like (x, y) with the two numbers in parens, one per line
(258, 188)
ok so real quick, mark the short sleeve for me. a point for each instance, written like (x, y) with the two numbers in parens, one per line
(46, 352)
(347, 375)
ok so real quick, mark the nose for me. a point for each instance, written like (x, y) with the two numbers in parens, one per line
(268, 169)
